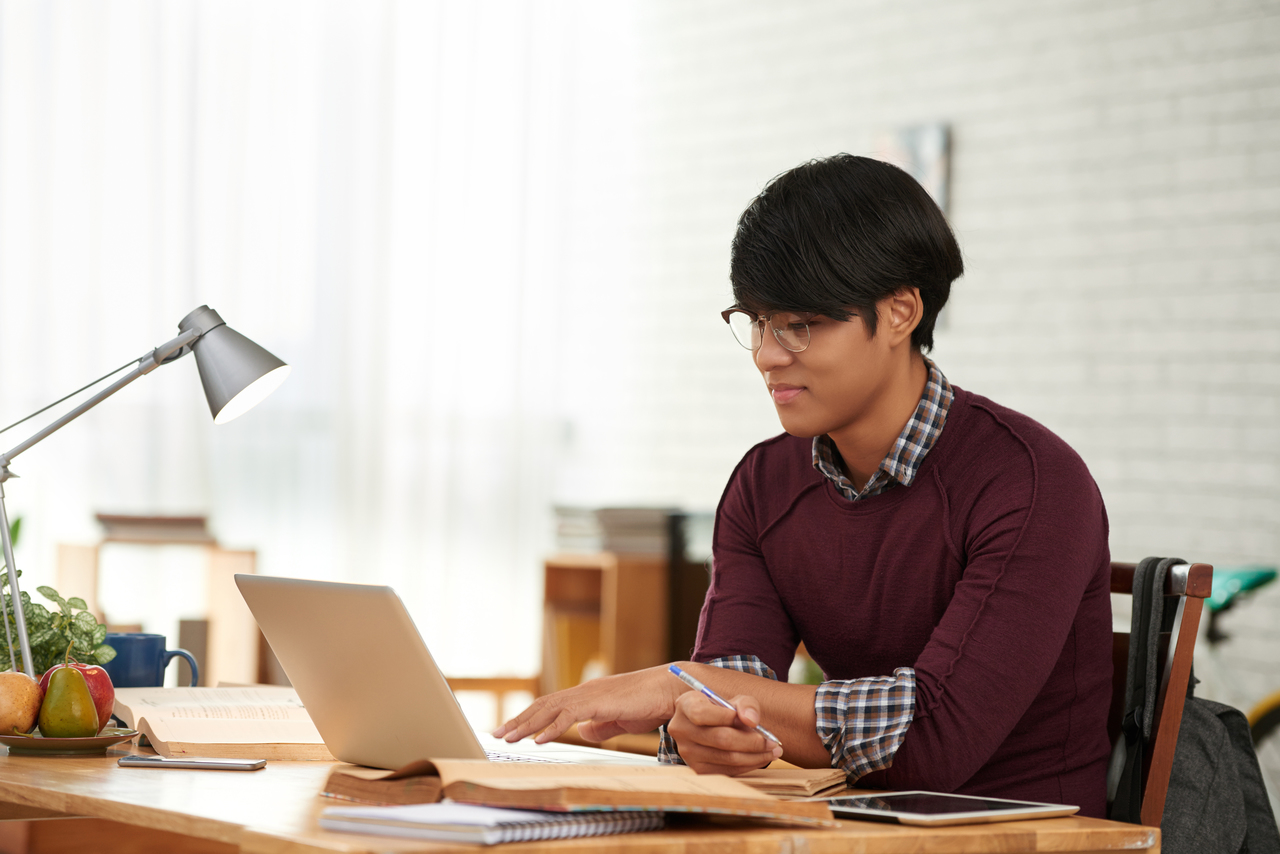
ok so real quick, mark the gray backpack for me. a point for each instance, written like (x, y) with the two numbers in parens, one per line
(1217, 801)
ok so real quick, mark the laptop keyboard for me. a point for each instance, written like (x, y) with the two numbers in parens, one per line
(495, 756)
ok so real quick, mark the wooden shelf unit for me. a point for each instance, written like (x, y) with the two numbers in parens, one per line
(626, 593)
(228, 646)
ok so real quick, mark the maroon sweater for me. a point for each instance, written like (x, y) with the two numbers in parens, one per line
(989, 575)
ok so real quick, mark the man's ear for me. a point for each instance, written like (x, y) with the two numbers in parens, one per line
(900, 314)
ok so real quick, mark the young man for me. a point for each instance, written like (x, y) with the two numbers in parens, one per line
(944, 559)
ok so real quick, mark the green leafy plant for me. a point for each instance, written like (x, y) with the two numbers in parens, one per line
(53, 633)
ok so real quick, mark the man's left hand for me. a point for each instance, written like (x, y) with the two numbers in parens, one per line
(604, 707)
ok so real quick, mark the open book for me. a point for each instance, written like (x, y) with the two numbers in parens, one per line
(256, 722)
(571, 788)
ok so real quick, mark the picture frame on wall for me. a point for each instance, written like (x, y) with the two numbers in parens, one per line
(922, 151)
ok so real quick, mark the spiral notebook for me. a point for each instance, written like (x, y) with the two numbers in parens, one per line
(486, 825)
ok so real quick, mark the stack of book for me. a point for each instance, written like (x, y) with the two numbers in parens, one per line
(562, 800)
(635, 530)
(578, 530)
(424, 782)
(623, 530)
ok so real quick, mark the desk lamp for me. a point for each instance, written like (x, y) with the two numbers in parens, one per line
(236, 373)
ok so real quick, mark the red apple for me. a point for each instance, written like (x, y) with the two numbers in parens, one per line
(100, 688)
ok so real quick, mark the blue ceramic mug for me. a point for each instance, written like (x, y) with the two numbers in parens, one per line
(141, 659)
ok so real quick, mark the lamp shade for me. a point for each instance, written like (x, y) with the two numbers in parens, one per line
(236, 373)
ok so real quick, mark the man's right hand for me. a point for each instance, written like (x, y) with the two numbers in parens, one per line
(611, 705)
(715, 740)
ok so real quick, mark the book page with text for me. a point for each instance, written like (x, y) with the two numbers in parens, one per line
(251, 715)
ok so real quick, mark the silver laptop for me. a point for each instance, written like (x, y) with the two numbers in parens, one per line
(369, 682)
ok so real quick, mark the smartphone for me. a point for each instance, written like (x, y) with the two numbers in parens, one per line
(134, 760)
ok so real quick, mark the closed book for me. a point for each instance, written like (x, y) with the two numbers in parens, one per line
(485, 825)
(795, 782)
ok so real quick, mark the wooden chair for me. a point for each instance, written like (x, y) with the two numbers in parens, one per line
(1189, 585)
(498, 687)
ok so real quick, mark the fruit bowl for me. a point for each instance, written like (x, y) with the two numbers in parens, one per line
(94, 745)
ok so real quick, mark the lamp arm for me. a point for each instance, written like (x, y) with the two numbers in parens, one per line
(19, 616)
(146, 364)
(170, 350)
(176, 348)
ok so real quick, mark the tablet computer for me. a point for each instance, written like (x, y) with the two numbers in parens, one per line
(934, 808)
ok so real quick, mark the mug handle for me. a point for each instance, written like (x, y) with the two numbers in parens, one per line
(195, 668)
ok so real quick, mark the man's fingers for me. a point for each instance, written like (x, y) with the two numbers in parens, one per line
(515, 722)
(557, 727)
(702, 712)
(531, 720)
(726, 736)
(733, 759)
(628, 702)
(506, 727)
(706, 760)
(599, 731)
(725, 739)
(748, 709)
(715, 740)
(716, 726)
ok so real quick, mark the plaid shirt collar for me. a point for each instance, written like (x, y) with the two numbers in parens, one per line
(903, 460)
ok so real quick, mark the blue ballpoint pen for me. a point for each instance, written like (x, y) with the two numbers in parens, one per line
(716, 698)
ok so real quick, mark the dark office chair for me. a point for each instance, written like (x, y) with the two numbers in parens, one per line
(1185, 588)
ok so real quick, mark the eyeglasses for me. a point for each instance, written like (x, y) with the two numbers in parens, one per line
(791, 328)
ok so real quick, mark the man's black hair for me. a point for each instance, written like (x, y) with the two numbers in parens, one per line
(835, 236)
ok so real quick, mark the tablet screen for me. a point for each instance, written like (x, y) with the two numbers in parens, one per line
(937, 808)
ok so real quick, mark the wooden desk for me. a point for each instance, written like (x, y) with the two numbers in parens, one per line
(274, 811)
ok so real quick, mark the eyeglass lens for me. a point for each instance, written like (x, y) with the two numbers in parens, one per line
(746, 329)
(791, 329)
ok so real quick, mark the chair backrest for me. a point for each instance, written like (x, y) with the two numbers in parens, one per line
(1189, 585)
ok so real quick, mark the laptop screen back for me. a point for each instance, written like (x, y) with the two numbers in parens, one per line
(362, 670)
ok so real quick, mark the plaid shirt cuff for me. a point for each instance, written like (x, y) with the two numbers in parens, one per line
(862, 721)
(667, 751)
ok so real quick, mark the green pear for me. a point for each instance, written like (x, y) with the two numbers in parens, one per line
(68, 710)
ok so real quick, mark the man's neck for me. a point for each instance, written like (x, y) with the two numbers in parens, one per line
(864, 444)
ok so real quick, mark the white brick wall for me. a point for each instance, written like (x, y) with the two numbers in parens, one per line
(1116, 189)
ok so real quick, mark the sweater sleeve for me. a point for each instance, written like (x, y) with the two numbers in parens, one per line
(744, 626)
(1033, 540)
(743, 614)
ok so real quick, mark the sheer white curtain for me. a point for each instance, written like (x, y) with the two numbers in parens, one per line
(395, 197)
